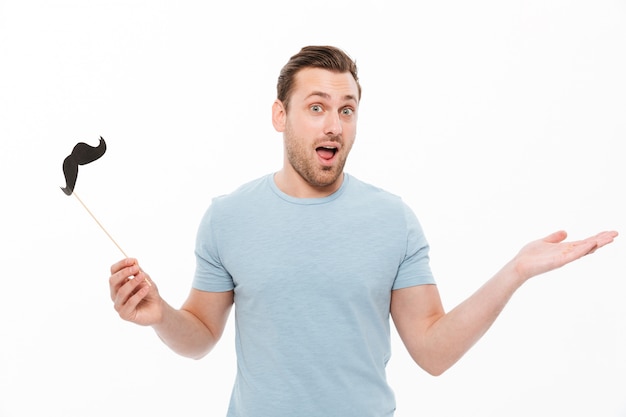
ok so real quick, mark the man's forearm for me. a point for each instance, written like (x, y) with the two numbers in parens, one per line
(455, 332)
(184, 333)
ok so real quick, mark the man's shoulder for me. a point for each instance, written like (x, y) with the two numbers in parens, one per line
(367, 190)
(249, 189)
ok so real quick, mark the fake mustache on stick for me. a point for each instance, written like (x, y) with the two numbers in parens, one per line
(81, 154)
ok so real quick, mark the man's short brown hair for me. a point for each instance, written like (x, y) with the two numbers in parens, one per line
(325, 57)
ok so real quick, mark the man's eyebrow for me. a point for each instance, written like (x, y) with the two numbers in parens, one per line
(322, 94)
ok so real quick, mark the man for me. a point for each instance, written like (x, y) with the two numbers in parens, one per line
(316, 262)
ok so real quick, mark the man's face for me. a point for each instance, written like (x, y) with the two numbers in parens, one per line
(319, 127)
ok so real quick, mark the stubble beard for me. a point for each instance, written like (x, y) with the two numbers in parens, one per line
(307, 167)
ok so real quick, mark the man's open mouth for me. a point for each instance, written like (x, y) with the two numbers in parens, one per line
(326, 152)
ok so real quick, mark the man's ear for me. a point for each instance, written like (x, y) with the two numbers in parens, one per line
(279, 115)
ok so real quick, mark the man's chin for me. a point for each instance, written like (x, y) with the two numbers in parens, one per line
(329, 178)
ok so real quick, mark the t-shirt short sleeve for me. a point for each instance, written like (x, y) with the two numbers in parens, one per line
(415, 267)
(210, 274)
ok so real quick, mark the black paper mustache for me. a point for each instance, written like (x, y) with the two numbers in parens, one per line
(81, 154)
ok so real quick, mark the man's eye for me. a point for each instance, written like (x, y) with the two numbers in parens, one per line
(316, 108)
(347, 111)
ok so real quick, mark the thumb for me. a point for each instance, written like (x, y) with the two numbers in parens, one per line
(143, 275)
(556, 237)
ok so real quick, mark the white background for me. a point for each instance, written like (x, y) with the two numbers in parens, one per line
(498, 122)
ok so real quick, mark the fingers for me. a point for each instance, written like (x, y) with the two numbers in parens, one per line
(128, 298)
(588, 246)
(595, 242)
(602, 239)
(130, 291)
(606, 237)
(121, 272)
(116, 267)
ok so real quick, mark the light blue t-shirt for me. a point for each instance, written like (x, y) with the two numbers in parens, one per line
(312, 280)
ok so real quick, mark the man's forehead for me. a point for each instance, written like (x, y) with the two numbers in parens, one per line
(326, 84)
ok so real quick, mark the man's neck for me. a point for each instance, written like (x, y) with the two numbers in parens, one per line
(292, 184)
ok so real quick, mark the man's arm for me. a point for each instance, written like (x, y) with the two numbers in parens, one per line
(436, 340)
(191, 331)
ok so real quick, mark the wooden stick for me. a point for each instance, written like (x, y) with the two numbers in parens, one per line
(99, 224)
(103, 229)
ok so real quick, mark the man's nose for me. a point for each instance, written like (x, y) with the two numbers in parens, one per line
(332, 126)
